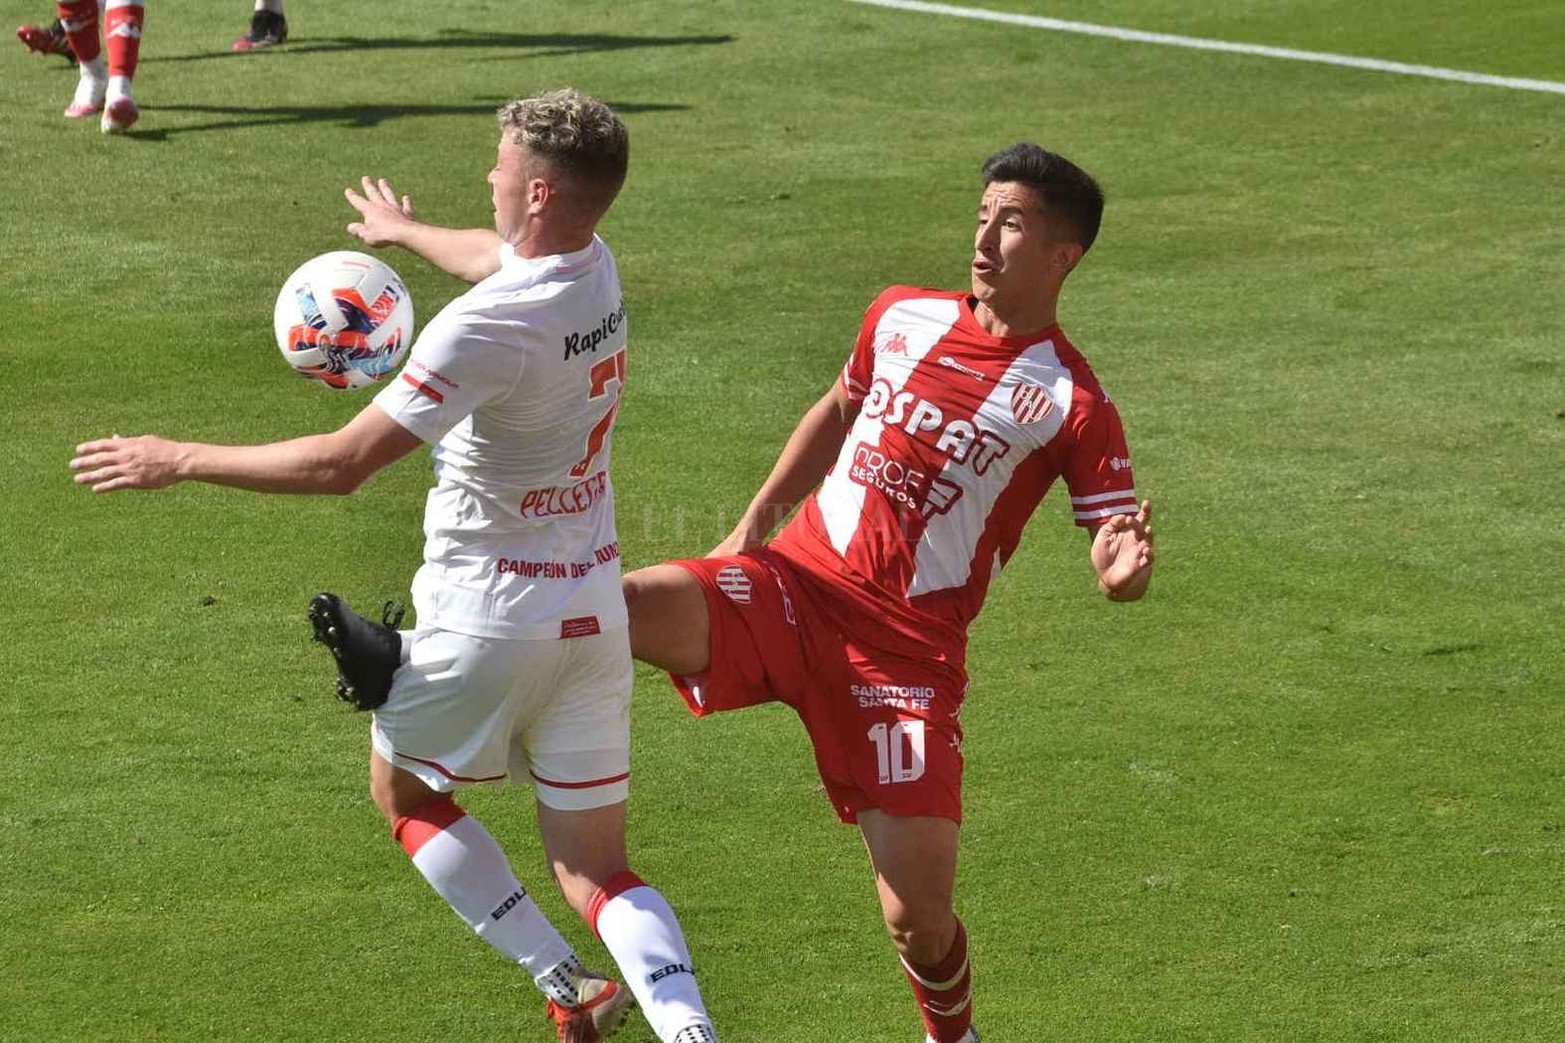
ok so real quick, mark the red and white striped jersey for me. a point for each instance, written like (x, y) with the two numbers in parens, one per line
(959, 435)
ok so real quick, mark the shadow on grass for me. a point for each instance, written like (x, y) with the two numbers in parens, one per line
(540, 45)
(238, 116)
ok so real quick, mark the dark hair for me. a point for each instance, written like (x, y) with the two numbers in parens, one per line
(1070, 196)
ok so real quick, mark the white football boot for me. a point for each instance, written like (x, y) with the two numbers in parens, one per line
(120, 114)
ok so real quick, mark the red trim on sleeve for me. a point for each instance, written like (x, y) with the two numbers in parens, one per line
(422, 388)
(612, 888)
(1093, 523)
(418, 828)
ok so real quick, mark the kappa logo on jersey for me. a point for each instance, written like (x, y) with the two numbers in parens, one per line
(1120, 463)
(902, 484)
(732, 581)
(896, 344)
(1030, 403)
(961, 440)
(588, 341)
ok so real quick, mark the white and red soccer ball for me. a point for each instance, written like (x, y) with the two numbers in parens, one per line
(344, 319)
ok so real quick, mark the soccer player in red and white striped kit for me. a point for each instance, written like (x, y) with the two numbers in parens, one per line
(104, 87)
(268, 28)
(955, 413)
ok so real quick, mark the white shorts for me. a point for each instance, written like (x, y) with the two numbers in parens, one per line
(465, 710)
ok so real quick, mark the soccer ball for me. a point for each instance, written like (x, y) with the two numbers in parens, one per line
(344, 319)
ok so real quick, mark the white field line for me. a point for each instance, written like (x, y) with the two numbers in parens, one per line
(1197, 43)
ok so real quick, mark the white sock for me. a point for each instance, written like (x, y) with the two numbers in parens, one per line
(274, 6)
(119, 87)
(90, 82)
(639, 929)
(462, 862)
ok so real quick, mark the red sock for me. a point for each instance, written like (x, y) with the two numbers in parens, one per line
(122, 35)
(612, 888)
(80, 21)
(945, 992)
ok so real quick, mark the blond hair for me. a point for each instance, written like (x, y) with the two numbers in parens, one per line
(578, 135)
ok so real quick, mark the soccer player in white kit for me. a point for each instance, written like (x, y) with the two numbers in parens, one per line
(520, 664)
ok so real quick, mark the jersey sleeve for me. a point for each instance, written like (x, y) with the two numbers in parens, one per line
(1097, 469)
(859, 371)
(458, 363)
(860, 367)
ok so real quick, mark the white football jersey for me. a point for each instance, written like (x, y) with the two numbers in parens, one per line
(516, 383)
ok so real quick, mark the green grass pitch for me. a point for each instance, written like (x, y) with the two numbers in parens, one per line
(1310, 789)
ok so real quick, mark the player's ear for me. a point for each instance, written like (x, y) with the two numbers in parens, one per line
(539, 193)
(1067, 255)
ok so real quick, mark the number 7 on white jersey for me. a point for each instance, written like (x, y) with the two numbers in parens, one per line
(603, 371)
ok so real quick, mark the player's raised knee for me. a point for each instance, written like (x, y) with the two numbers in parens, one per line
(669, 621)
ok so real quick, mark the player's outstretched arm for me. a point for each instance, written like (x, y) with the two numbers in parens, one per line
(336, 463)
(386, 220)
(1122, 554)
(809, 454)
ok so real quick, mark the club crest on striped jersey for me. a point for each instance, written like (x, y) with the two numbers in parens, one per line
(1030, 403)
(732, 581)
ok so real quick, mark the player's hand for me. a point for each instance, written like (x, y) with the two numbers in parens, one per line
(146, 462)
(382, 216)
(1122, 553)
(740, 540)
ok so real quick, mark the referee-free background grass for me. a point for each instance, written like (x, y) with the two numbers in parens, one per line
(1309, 789)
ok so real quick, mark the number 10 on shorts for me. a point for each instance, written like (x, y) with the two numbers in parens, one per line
(899, 750)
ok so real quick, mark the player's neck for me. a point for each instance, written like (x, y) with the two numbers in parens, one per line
(547, 242)
(1002, 319)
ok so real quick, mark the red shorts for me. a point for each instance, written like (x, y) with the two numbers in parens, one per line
(883, 720)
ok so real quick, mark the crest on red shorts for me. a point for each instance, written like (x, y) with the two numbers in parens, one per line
(1030, 403)
(732, 581)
